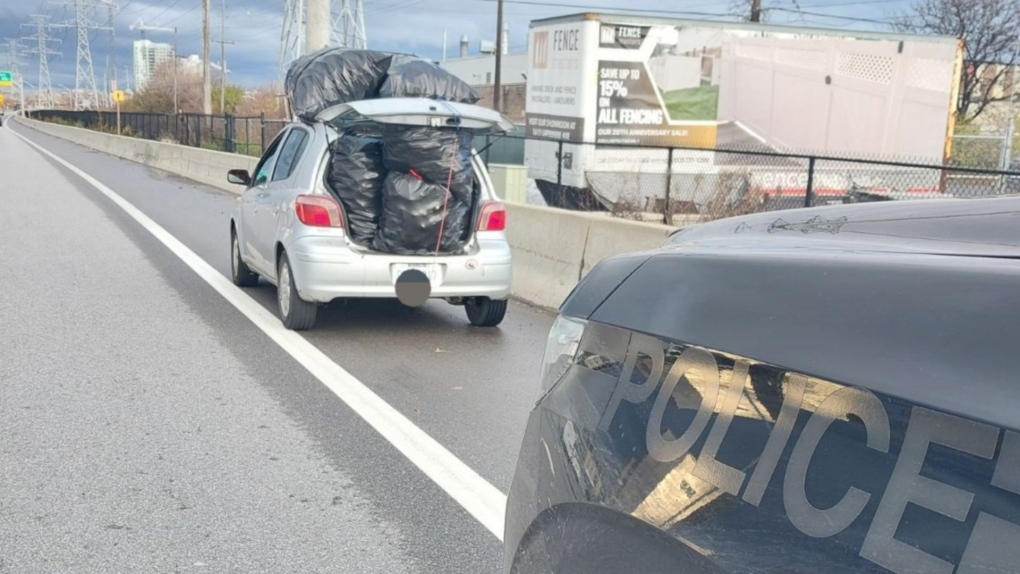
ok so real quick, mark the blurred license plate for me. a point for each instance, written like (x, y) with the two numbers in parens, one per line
(431, 270)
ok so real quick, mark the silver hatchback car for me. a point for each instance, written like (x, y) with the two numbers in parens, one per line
(289, 226)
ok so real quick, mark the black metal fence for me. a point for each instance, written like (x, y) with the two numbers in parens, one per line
(675, 185)
(245, 135)
(685, 185)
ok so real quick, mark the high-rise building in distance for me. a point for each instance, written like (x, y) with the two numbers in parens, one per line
(148, 55)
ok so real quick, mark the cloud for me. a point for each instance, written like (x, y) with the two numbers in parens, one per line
(416, 26)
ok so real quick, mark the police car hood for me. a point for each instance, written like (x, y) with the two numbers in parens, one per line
(988, 227)
(914, 299)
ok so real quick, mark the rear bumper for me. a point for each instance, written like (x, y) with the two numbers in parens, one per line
(325, 268)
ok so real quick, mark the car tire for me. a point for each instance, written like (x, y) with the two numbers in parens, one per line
(296, 313)
(485, 312)
(240, 273)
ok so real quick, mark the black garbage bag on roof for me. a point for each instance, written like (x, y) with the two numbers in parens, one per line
(439, 155)
(423, 79)
(413, 218)
(356, 175)
(334, 76)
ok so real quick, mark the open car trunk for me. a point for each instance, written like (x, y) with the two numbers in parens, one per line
(405, 172)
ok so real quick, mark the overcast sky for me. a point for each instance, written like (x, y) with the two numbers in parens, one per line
(414, 26)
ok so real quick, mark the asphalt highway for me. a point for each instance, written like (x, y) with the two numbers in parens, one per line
(146, 425)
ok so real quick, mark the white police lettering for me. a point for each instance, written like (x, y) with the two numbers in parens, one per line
(727, 478)
(698, 366)
(822, 523)
(793, 391)
(994, 543)
(625, 389)
(908, 485)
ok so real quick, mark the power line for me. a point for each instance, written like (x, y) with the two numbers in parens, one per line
(590, 8)
(823, 15)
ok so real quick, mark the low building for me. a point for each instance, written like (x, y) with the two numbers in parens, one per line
(480, 71)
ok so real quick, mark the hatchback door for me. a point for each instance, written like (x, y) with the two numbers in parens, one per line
(419, 112)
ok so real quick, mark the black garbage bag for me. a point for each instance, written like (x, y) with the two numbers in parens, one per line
(439, 155)
(413, 218)
(356, 175)
(423, 79)
(334, 76)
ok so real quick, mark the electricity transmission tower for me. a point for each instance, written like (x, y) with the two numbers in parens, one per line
(14, 64)
(292, 38)
(347, 28)
(42, 51)
(349, 24)
(86, 95)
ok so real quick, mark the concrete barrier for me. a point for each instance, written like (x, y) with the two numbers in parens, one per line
(201, 165)
(548, 248)
(552, 248)
(610, 236)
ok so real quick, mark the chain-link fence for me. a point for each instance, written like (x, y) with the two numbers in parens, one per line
(677, 185)
(245, 135)
(686, 185)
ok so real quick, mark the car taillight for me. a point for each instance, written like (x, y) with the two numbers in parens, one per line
(492, 217)
(318, 211)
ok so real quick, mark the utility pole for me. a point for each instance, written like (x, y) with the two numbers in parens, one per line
(111, 59)
(756, 10)
(318, 25)
(44, 91)
(497, 88)
(223, 57)
(206, 53)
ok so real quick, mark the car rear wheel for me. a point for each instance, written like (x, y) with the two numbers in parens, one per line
(241, 274)
(484, 312)
(297, 314)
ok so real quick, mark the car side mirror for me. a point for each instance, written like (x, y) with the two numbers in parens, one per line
(239, 176)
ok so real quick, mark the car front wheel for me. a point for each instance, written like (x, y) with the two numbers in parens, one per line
(297, 314)
(485, 312)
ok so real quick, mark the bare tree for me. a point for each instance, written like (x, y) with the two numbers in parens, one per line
(750, 10)
(989, 30)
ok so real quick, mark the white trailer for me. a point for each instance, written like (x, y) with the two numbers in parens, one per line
(597, 82)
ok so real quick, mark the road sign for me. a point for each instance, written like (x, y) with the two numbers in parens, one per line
(119, 96)
(6, 79)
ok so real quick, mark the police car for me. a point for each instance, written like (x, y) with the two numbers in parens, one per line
(822, 390)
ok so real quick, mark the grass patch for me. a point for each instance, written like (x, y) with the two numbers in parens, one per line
(701, 103)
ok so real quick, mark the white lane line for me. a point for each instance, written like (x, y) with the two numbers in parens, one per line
(481, 499)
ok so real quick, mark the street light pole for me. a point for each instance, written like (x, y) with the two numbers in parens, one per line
(206, 55)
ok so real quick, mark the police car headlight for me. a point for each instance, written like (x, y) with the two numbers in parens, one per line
(560, 351)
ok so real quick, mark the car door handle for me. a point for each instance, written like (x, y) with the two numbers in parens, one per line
(262, 195)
